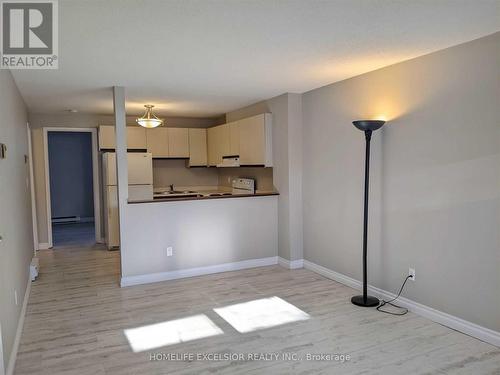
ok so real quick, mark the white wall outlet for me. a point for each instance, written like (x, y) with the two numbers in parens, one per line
(170, 251)
(15, 297)
(411, 272)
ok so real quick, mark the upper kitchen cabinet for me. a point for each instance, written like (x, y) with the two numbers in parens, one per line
(136, 138)
(198, 147)
(249, 138)
(255, 135)
(178, 142)
(106, 137)
(157, 142)
(212, 146)
(234, 138)
(218, 144)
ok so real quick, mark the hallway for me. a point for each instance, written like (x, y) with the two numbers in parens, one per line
(74, 234)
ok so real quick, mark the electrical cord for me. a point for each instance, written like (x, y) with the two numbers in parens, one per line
(390, 302)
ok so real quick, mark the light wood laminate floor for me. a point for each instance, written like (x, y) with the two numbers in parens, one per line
(77, 314)
(74, 234)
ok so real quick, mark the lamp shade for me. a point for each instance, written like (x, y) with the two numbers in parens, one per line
(365, 125)
(149, 120)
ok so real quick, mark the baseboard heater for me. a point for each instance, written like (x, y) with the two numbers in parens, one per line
(66, 219)
(72, 219)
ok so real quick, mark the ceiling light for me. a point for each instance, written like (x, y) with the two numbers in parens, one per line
(149, 120)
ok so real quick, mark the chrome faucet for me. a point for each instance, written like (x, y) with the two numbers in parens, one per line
(171, 187)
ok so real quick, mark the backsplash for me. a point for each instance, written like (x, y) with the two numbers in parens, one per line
(174, 171)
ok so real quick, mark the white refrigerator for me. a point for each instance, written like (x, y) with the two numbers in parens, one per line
(140, 187)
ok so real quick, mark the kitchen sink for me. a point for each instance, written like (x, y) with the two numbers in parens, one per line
(176, 195)
(177, 192)
(187, 194)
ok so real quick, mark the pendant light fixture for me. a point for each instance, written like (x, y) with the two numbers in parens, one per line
(149, 120)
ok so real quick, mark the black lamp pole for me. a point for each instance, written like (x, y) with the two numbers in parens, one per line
(368, 126)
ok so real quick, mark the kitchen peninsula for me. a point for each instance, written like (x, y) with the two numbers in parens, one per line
(241, 187)
(212, 205)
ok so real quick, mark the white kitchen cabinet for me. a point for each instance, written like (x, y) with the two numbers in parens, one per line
(249, 138)
(106, 137)
(178, 142)
(223, 142)
(234, 138)
(136, 138)
(218, 144)
(256, 140)
(197, 147)
(157, 142)
(212, 146)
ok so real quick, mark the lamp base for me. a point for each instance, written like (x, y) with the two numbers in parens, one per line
(360, 301)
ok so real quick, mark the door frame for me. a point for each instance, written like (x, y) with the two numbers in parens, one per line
(95, 174)
(32, 189)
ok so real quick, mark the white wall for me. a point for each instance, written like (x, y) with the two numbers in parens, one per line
(16, 248)
(175, 171)
(435, 181)
(201, 232)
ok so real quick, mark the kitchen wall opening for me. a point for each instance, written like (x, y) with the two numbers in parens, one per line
(71, 188)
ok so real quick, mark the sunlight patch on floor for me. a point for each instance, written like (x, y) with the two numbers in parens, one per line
(171, 332)
(260, 314)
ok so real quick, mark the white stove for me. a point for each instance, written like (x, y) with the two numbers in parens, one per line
(243, 186)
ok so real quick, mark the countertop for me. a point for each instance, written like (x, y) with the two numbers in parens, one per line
(204, 191)
(176, 199)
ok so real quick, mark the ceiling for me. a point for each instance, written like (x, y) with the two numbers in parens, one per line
(207, 57)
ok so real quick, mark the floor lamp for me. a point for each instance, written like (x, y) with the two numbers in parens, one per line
(368, 126)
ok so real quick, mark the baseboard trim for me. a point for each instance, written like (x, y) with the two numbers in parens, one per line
(19, 330)
(43, 246)
(479, 332)
(198, 271)
(291, 264)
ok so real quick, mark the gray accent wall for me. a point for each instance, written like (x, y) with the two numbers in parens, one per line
(16, 248)
(435, 181)
(287, 166)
